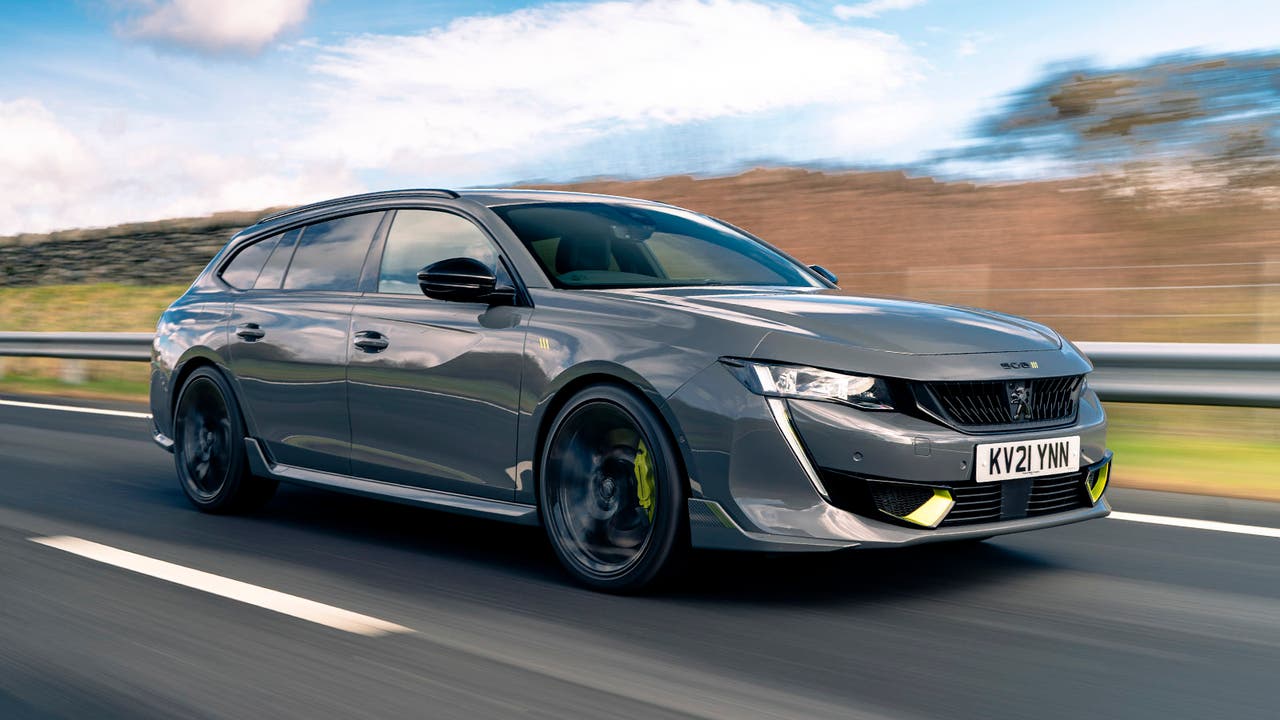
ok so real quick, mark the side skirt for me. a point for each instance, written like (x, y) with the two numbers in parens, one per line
(518, 513)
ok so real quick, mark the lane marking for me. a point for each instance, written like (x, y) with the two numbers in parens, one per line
(293, 605)
(75, 408)
(1197, 524)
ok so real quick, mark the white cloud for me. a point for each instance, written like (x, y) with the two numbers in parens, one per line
(217, 26)
(39, 160)
(537, 81)
(872, 8)
(483, 99)
(54, 176)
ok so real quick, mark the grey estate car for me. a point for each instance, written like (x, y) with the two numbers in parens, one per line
(636, 378)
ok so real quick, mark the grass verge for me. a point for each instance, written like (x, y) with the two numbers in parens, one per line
(102, 388)
(94, 307)
(1230, 452)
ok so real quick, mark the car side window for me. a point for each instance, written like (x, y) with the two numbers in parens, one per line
(244, 268)
(331, 254)
(273, 272)
(420, 237)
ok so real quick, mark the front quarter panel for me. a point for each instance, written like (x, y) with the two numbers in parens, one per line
(577, 336)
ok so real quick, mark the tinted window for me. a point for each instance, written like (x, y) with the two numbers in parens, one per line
(331, 254)
(420, 237)
(273, 272)
(243, 269)
(602, 245)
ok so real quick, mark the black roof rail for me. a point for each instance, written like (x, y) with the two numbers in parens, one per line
(384, 194)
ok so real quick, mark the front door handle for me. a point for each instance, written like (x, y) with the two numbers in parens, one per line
(251, 332)
(370, 341)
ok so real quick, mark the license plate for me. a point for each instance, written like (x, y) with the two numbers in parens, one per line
(1027, 458)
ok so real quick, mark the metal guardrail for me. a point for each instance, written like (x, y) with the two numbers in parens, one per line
(1186, 373)
(77, 345)
(1171, 373)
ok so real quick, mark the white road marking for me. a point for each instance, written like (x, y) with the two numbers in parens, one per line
(225, 587)
(1197, 524)
(74, 408)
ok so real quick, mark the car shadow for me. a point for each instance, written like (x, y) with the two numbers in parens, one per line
(850, 575)
(409, 549)
(708, 576)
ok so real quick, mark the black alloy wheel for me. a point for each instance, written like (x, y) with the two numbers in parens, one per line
(611, 494)
(209, 433)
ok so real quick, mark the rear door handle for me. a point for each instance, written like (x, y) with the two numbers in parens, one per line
(251, 332)
(370, 341)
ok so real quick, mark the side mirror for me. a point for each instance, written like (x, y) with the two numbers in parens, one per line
(826, 274)
(464, 280)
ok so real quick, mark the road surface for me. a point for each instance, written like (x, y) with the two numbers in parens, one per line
(119, 600)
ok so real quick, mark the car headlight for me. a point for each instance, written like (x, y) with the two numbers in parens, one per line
(807, 383)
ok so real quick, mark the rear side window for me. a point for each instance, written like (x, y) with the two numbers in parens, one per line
(420, 237)
(243, 269)
(331, 254)
(273, 273)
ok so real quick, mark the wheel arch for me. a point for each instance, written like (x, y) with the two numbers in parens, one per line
(193, 360)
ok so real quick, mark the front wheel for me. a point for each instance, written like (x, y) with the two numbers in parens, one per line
(209, 452)
(610, 490)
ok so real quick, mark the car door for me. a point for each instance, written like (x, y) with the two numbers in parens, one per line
(435, 396)
(289, 342)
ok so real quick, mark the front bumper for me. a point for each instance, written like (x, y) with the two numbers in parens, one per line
(711, 528)
(751, 489)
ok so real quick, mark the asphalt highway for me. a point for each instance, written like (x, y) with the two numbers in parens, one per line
(1112, 618)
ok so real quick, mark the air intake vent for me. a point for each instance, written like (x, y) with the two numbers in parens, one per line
(975, 504)
(1056, 494)
(899, 499)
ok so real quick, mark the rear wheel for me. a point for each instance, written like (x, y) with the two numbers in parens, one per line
(209, 433)
(610, 489)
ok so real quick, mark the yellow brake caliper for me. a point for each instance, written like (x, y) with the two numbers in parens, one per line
(644, 479)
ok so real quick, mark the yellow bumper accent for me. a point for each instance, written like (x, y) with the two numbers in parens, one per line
(1100, 482)
(933, 510)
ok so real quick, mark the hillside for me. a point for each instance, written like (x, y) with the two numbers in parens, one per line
(1095, 264)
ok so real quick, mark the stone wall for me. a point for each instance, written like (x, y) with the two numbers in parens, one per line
(157, 253)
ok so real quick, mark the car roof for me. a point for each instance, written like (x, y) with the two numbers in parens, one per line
(519, 196)
(489, 197)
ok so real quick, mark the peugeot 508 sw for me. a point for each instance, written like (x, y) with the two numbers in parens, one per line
(636, 378)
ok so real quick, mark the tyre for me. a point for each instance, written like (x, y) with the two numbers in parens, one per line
(611, 493)
(208, 432)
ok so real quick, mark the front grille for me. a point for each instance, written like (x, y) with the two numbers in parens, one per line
(1056, 494)
(990, 404)
(975, 504)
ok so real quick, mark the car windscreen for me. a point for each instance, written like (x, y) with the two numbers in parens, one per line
(616, 245)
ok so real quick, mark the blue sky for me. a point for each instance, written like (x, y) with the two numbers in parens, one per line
(119, 110)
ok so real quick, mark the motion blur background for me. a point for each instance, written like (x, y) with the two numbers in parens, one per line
(1110, 169)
